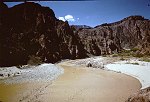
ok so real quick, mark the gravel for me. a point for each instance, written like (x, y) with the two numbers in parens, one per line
(43, 72)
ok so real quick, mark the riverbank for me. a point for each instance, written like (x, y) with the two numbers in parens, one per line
(81, 84)
(77, 84)
(130, 66)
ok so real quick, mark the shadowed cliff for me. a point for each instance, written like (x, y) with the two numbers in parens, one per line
(31, 33)
(29, 30)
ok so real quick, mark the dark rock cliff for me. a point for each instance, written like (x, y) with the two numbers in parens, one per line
(133, 31)
(28, 30)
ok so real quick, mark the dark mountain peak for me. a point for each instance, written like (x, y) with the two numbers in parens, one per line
(130, 32)
(3, 6)
(34, 8)
(27, 4)
(135, 17)
(30, 31)
(130, 18)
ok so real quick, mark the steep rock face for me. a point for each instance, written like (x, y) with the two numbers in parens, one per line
(141, 96)
(133, 31)
(29, 29)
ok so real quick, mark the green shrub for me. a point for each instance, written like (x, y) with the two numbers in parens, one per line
(134, 49)
(135, 63)
(138, 55)
(115, 55)
(145, 59)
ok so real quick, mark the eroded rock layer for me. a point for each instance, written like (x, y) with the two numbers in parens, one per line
(29, 30)
(131, 32)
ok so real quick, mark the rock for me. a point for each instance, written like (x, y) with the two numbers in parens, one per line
(32, 34)
(79, 27)
(1, 75)
(28, 29)
(8, 75)
(141, 96)
(89, 65)
(131, 32)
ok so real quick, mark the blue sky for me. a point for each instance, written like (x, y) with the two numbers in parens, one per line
(94, 13)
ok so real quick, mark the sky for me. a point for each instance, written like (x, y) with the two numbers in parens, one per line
(93, 13)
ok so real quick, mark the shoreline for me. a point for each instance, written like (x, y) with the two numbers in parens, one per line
(77, 84)
(131, 66)
(140, 72)
(81, 84)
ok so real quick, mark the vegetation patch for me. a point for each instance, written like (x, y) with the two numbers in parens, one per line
(115, 55)
(138, 55)
(132, 53)
(145, 59)
(134, 63)
(134, 49)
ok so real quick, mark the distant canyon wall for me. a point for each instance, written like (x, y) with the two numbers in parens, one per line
(131, 32)
(29, 31)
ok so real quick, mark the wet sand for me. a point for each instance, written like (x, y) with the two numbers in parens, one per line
(77, 84)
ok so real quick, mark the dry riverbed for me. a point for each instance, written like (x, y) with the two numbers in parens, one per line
(77, 84)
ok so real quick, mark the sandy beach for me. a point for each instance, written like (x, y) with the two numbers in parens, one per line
(77, 84)
(90, 85)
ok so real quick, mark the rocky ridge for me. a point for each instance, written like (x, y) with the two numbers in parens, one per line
(131, 32)
(29, 30)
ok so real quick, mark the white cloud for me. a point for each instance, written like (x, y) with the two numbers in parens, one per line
(61, 18)
(68, 18)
